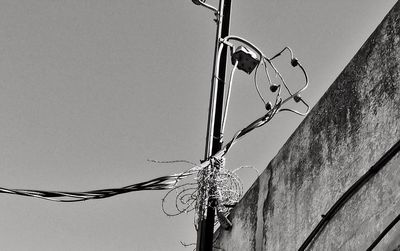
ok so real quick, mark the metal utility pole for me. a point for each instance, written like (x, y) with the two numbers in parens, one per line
(214, 138)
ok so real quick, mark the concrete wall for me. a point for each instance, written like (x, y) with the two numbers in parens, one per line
(351, 127)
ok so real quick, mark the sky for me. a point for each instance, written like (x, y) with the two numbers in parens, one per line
(91, 89)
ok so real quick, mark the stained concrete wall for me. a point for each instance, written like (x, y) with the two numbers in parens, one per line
(351, 127)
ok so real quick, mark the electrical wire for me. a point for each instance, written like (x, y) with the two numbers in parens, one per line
(210, 175)
(172, 162)
(226, 39)
(256, 84)
(269, 78)
(384, 232)
(279, 53)
(263, 57)
(215, 10)
(161, 183)
(349, 193)
(228, 95)
(279, 75)
(264, 60)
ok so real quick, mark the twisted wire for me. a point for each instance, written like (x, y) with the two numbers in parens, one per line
(160, 183)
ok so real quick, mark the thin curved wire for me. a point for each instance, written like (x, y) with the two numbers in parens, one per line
(216, 11)
(256, 86)
(242, 40)
(279, 75)
(171, 162)
(268, 77)
(295, 111)
(279, 53)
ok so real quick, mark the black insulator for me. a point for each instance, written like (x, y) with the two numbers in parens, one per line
(297, 98)
(294, 62)
(268, 106)
(273, 87)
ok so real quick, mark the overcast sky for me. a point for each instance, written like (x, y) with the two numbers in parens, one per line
(91, 89)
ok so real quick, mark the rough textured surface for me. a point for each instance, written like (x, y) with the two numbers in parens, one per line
(351, 127)
(245, 222)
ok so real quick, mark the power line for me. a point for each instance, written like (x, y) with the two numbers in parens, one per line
(349, 193)
(384, 232)
(160, 183)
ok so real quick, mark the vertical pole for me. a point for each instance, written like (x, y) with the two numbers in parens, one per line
(214, 138)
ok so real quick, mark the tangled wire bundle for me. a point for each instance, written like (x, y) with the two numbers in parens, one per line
(214, 182)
